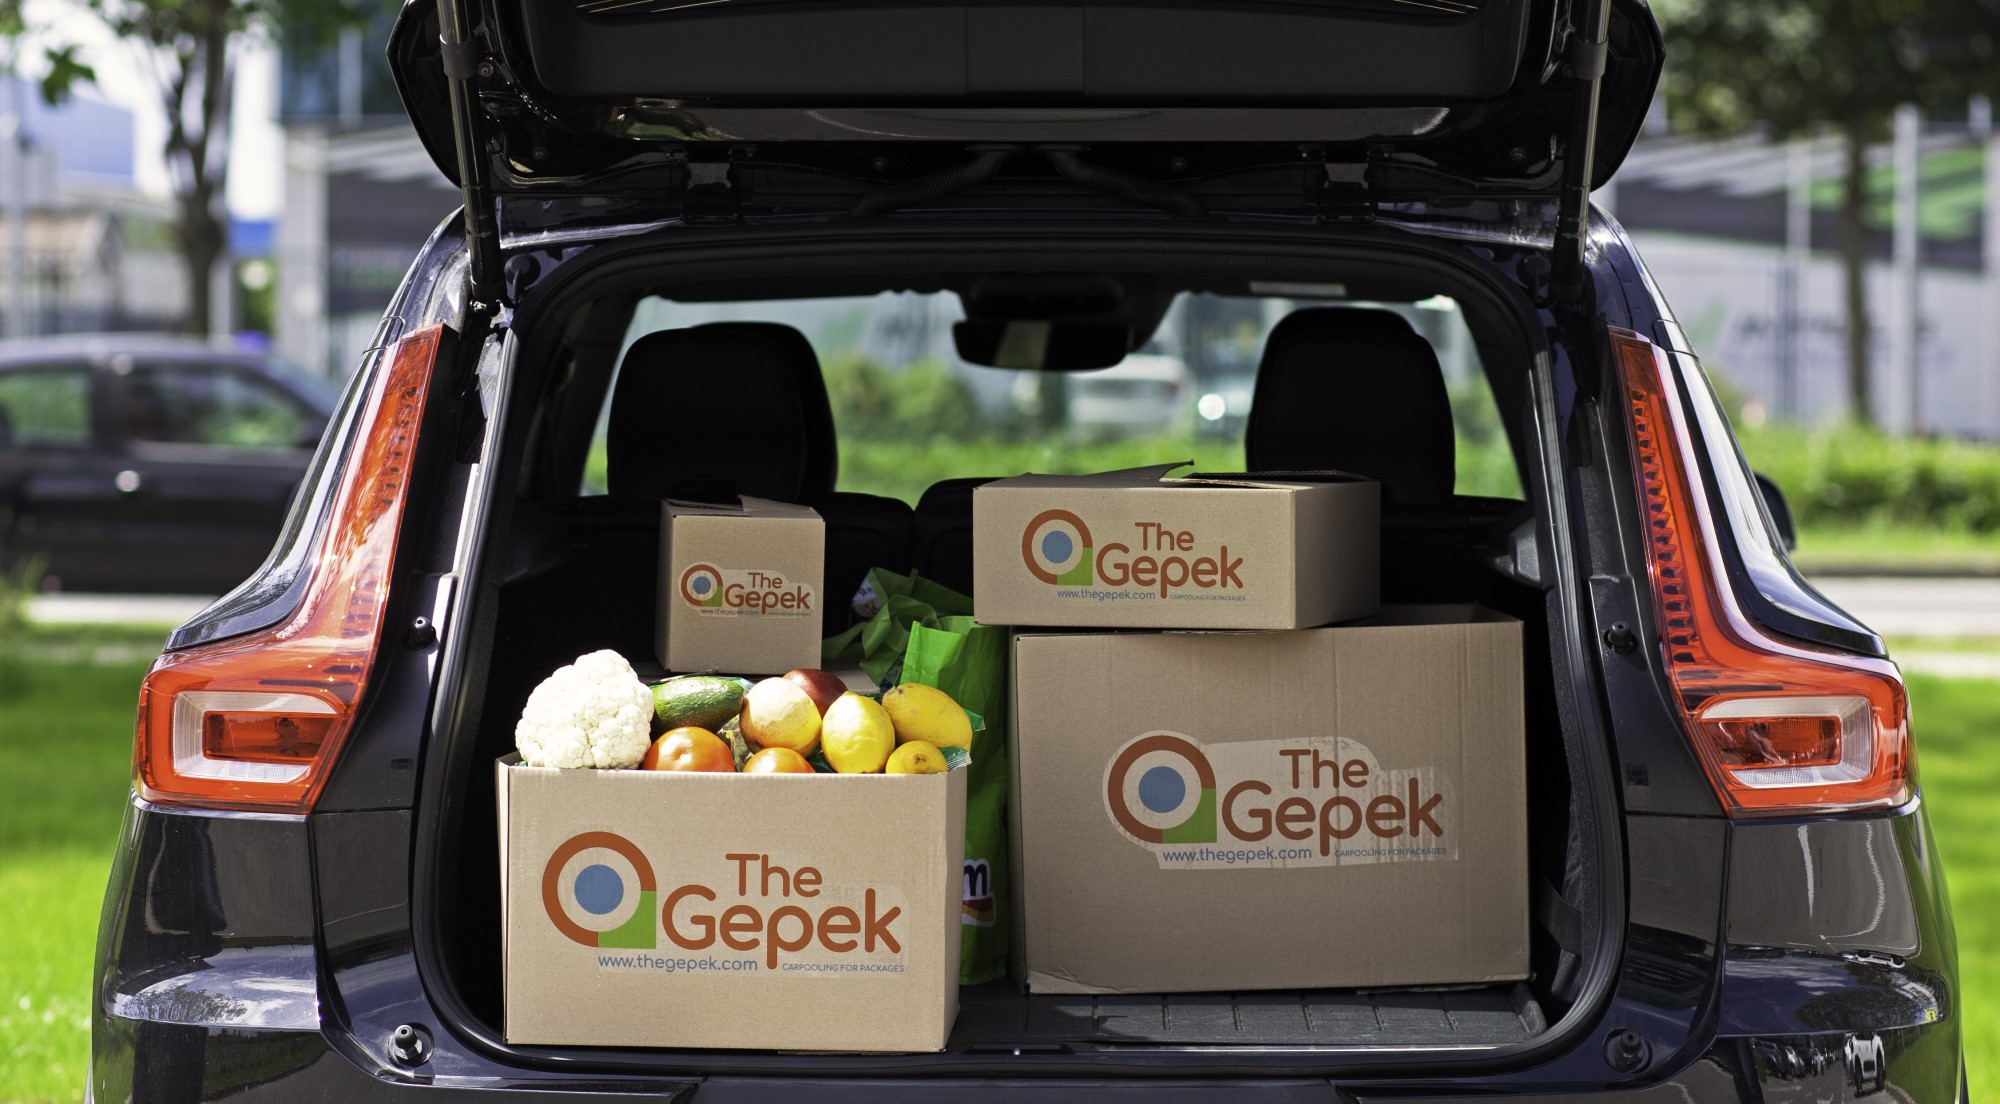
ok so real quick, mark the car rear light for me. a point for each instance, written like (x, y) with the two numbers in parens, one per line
(1781, 728)
(255, 721)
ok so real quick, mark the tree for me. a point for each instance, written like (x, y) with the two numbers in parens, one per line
(62, 70)
(1796, 66)
(188, 48)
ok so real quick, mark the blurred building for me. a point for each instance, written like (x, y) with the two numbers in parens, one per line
(1766, 309)
(95, 252)
(361, 196)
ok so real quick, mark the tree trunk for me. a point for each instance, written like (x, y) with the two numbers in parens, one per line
(1854, 233)
(202, 239)
(200, 146)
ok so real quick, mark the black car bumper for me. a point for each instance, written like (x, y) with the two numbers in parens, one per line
(258, 957)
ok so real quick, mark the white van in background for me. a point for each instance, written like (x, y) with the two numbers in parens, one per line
(1145, 393)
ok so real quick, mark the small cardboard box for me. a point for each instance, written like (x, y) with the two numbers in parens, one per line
(774, 912)
(740, 587)
(1133, 549)
(1340, 807)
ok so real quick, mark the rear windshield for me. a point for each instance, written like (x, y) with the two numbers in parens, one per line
(909, 413)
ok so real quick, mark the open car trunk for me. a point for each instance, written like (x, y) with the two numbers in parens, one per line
(561, 574)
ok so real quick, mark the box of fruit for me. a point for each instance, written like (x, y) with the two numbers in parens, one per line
(711, 863)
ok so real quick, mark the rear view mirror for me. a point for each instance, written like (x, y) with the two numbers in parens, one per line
(1776, 505)
(1042, 346)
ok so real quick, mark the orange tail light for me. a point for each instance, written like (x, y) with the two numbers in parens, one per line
(254, 722)
(1781, 728)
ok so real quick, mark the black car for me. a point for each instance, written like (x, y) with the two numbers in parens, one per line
(148, 464)
(1736, 892)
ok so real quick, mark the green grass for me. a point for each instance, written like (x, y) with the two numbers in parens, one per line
(1956, 722)
(1886, 549)
(66, 731)
(66, 735)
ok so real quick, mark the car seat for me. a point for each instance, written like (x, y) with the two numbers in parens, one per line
(743, 406)
(941, 535)
(1344, 389)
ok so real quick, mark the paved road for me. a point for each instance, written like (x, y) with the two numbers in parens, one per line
(1934, 608)
(1893, 606)
(1920, 607)
(115, 609)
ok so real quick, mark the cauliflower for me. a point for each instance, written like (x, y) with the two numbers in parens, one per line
(593, 713)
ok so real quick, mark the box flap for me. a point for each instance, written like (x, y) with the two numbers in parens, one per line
(745, 506)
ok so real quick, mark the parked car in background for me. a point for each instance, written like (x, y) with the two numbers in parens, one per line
(1223, 410)
(1146, 393)
(154, 464)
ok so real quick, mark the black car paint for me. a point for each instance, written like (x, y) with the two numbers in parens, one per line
(548, 143)
(125, 514)
(211, 914)
(216, 979)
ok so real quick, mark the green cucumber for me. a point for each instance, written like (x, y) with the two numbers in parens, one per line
(699, 701)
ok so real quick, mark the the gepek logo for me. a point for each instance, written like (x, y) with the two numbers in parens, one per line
(714, 590)
(763, 912)
(1153, 560)
(1274, 803)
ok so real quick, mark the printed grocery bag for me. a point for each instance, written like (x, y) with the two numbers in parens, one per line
(921, 632)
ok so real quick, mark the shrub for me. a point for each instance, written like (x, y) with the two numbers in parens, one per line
(1849, 475)
(924, 402)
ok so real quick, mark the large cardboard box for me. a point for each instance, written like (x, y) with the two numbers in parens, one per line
(780, 912)
(1133, 549)
(1340, 807)
(740, 586)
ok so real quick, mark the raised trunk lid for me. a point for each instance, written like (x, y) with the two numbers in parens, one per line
(595, 96)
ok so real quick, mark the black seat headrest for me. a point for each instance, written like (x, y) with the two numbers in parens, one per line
(1336, 319)
(1371, 402)
(741, 403)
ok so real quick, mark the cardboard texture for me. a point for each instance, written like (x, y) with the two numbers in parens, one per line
(1324, 808)
(778, 912)
(1133, 549)
(740, 587)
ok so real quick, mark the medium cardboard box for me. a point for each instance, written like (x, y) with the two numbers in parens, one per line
(740, 587)
(777, 912)
(1324, 808)
(1133, 549)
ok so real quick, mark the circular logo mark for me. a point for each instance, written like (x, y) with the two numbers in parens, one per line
(701, 585)
(1158, 783)
(596, 884)
(1056, 546)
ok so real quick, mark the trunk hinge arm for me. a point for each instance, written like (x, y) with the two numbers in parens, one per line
(482, 227)
(1588, 53)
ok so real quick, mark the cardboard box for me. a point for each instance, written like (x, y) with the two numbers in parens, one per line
(779, 912)
(1133, 549)
(1325, 808)
(740, 587)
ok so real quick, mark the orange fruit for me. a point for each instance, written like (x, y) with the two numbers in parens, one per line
(777, 760)
(689, 749)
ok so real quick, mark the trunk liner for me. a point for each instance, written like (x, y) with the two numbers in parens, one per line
(1000, 1017)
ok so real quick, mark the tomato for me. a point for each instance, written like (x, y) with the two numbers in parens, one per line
(777, 760)
(689, 749)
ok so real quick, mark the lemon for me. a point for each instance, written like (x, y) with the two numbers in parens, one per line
(926, 713)
(856, 735)
(916, 757)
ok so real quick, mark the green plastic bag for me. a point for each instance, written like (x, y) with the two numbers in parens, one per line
(924, 633)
